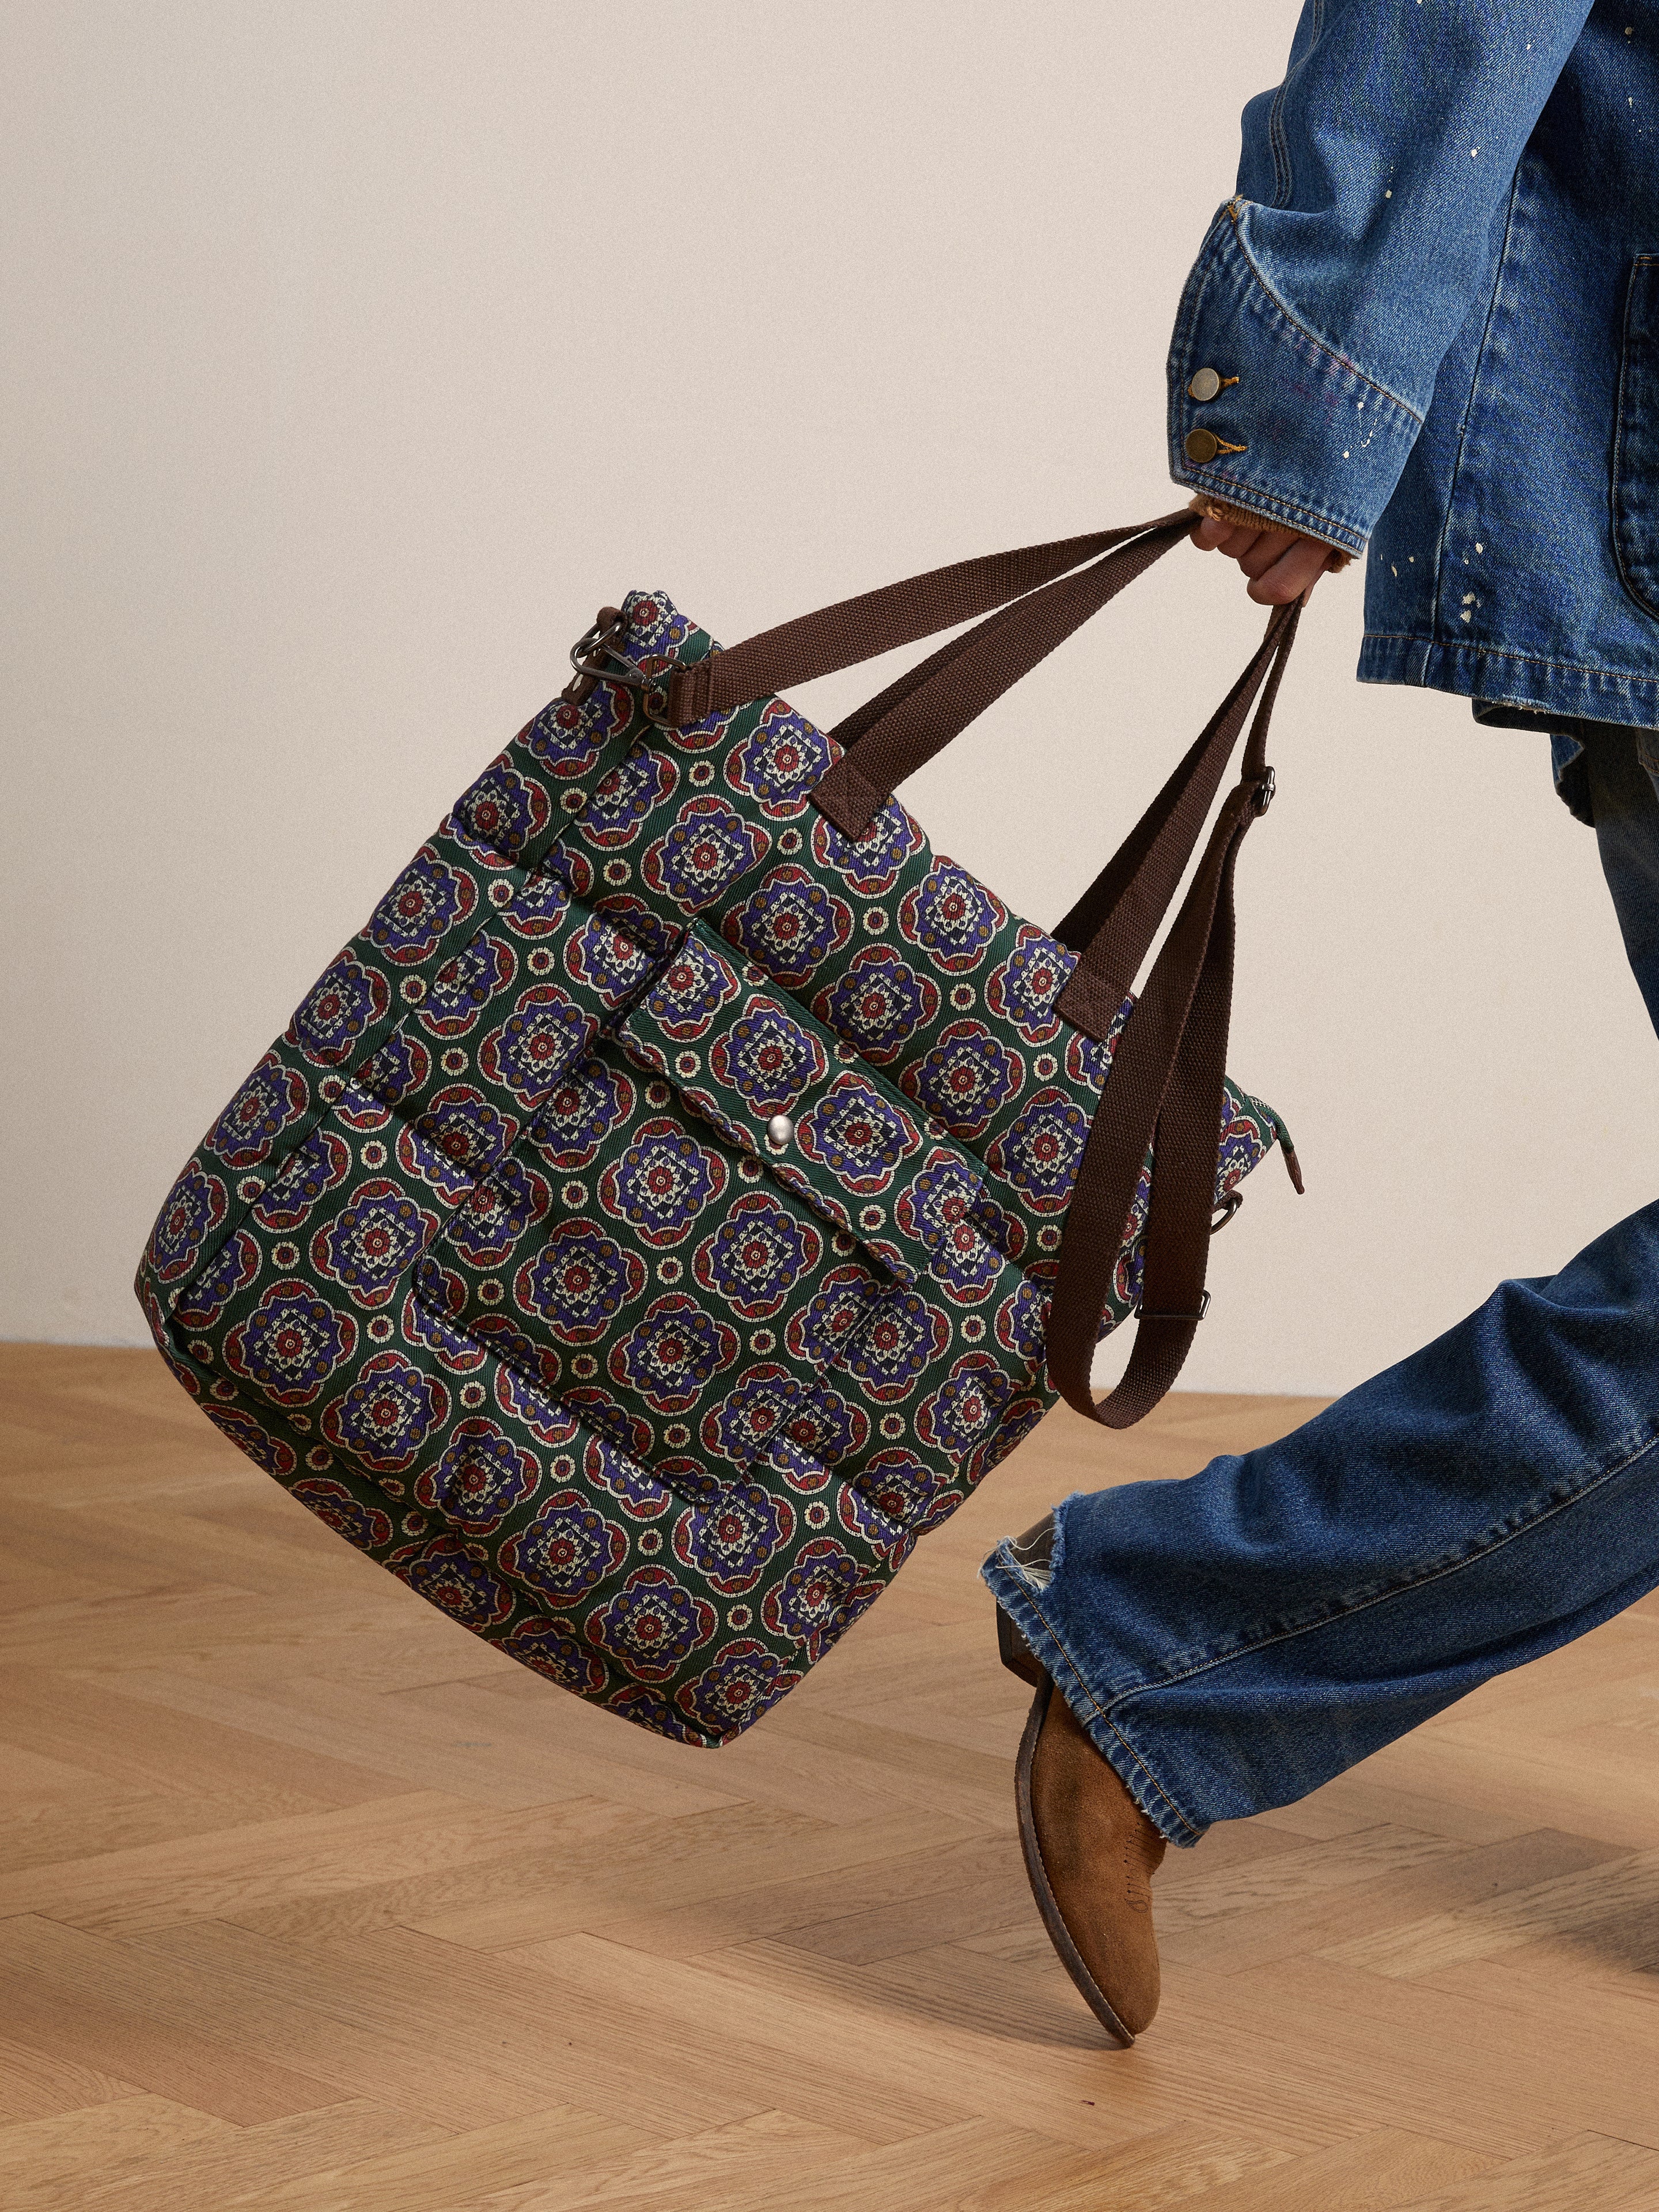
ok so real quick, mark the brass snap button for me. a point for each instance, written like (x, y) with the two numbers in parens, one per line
(1202, 446)
(1205, 385)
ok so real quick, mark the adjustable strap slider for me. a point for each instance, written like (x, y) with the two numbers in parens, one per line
(1265, 789)
(1141, 1313)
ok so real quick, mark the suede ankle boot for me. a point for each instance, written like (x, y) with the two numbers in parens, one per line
(1091, 1852)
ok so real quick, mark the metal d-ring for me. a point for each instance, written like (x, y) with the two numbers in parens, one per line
(1228, 1205)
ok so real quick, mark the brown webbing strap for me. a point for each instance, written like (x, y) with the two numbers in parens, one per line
(1164, 1090)
(895, 734)
(878, 622)
(1143, 1064)
(1113, 924)
(1181, 1204)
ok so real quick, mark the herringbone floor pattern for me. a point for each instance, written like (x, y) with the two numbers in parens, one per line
(309, 1901)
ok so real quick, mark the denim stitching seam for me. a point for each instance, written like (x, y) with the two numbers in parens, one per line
(1281, 508)
(1459, 648)
(1617, 472)
(1404, 1590)
(1313, 337)
(1442, 547)
(1281, 151)
(1284, 1636)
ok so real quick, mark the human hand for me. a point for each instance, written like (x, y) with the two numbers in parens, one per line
(1282, 564)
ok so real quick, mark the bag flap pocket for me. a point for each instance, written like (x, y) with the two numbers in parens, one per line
(750, 1059)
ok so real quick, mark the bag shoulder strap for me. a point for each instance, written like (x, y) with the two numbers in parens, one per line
(1112, 925)
(1166, 1090)
(1168, 1063)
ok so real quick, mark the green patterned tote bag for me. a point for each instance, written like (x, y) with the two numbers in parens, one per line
(688, 1184)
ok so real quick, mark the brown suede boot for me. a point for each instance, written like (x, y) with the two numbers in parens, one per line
(1090, 1854)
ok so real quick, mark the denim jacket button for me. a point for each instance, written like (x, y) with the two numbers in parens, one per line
(1205, 385)
(1202, 446)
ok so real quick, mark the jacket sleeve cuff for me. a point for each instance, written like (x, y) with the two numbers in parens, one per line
(1269, 416)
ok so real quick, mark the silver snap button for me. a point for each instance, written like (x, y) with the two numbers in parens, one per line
(1204, 386)
(779, 1131)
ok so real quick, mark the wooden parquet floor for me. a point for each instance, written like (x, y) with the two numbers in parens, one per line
(309, 1903)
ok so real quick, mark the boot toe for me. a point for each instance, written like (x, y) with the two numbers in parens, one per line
(1090, 1853)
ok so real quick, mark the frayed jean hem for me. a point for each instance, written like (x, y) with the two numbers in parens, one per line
(1021, 1602)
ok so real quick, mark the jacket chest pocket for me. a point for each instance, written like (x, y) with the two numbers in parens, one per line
(1636, 441)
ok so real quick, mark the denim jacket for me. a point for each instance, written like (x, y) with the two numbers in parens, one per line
(1431, 320)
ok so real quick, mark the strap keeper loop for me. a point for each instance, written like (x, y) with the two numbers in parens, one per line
(690, 691)
(1141, 1313)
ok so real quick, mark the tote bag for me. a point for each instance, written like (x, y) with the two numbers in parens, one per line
(688, 1185)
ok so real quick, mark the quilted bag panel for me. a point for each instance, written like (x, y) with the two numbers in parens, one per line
(644, 1230)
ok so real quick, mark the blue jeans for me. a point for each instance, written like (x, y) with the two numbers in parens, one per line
(1232, 1642)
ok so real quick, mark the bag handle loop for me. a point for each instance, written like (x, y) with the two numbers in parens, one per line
(893, 735)
(839, 636)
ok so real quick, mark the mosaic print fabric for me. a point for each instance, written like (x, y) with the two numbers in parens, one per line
(643, 1231)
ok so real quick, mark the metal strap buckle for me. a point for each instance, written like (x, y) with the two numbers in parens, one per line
(1264, 792)
(1141, 1313)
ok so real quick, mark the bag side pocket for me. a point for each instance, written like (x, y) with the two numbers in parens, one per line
(1635, 485)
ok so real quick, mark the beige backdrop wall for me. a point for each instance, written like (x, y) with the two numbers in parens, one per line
(356, 352)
